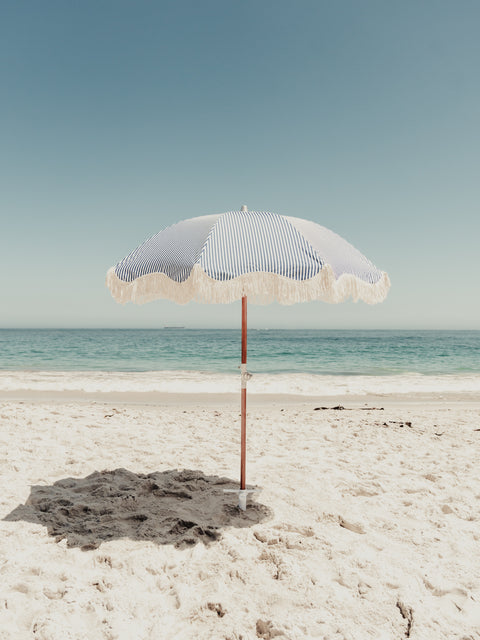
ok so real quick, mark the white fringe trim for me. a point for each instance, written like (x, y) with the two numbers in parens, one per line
(261, 288)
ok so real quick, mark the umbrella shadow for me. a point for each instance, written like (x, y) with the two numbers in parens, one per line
(174, 507)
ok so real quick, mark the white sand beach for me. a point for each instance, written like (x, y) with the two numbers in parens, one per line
(114, 524)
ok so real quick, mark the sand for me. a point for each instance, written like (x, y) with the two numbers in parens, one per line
(114, 523)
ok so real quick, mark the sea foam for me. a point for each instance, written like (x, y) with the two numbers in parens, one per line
(207, 382)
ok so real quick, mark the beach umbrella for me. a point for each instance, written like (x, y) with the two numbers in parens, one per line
(246, 255)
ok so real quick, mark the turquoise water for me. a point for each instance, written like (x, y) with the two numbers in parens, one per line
(269, 351)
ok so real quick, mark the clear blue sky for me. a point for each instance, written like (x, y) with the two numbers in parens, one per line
(119, 118)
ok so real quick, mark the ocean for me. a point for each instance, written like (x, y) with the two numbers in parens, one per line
(303, 362)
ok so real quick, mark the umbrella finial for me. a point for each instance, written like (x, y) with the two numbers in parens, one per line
(244, 208)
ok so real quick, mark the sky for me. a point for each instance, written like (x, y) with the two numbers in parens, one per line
(120, 118)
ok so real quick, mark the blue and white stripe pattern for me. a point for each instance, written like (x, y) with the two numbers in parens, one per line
(257, 242)
(221, 257)
(174, 251)
(225, 246)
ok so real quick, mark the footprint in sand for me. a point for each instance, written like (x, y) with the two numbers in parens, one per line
(265, 630)
(294, 537)
(274, 561)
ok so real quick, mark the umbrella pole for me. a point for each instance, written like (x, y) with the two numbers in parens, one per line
(243, 492)
(243, 454)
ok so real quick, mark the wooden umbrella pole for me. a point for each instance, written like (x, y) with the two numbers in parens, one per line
(244, 395)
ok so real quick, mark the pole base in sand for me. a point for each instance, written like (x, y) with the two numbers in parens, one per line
(242, 496)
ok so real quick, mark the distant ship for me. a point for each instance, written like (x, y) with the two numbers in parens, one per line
(171, 326)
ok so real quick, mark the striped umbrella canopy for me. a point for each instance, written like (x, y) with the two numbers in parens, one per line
(254, 255)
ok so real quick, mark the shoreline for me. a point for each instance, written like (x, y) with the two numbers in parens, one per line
(231, 400)
(195, 387)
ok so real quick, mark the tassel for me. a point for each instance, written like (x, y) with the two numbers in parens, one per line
(261, 288)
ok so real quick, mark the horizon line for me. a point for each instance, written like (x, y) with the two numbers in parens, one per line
(186, 328)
